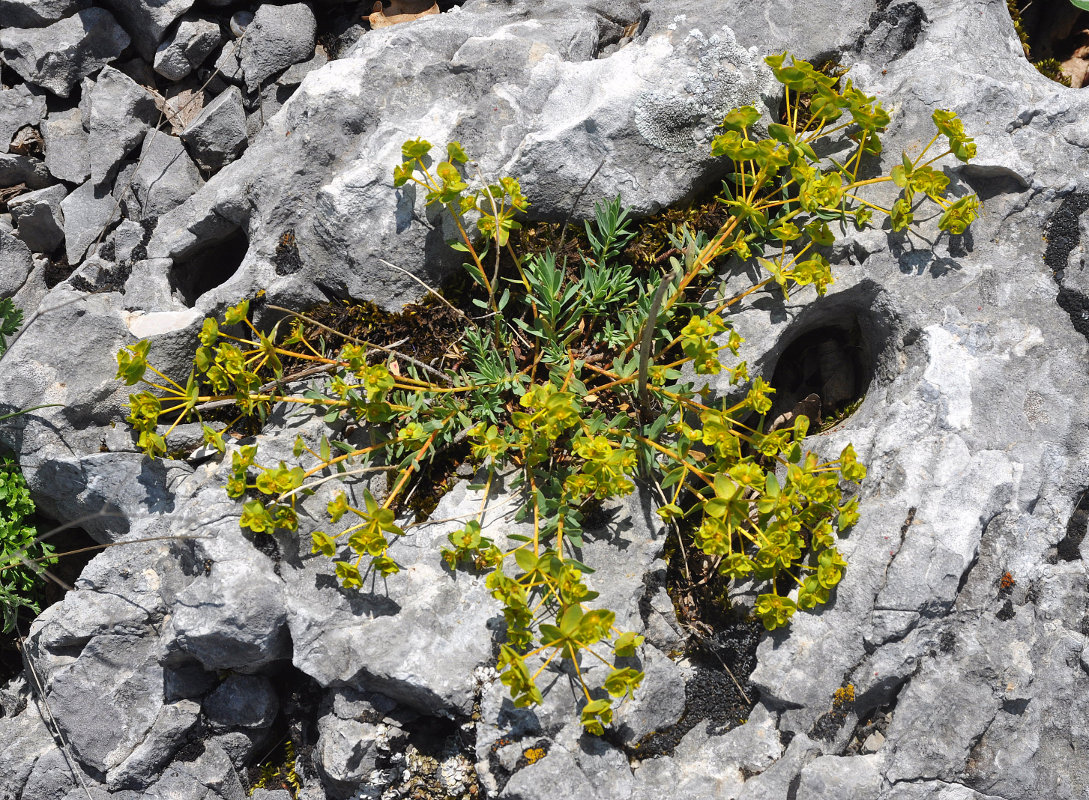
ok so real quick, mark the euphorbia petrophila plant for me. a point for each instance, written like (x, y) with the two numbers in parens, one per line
(549, 376)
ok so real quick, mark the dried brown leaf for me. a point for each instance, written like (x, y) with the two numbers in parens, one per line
(401, 11)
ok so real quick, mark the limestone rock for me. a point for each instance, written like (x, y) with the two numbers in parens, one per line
(117, 114)
(38, 13)
(58, 57)
(15, 264)
(87, 212)
(970, 351)
(148, 22)
(192, 42)
(18, 169)
(354, 734)
(571, 111)
(39, 219)
(66, 154)
(278, 37)
(166, 176)
(242, 701)
(218, 136)
(18, 107)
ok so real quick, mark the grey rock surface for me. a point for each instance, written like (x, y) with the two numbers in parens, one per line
(166, 176)
(569, 112)
(88, 212)
(228, 64)
(218, 136)
(59, 56)
(38, 13)
(117, 112)
(972, 426)
(15, 264)
(192, 42)
(354, 736)
(18, 169)
(18, 107)
(147, 22)
(39, 219)
(242, 701)
(278, 37)
(66, 154)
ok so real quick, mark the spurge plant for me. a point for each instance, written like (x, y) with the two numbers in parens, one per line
(584, 380)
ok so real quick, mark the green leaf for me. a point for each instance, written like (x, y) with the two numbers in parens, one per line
(526, 560)
(237, 314)
(455, 153)
(415, 148)
(781, 133)
(740, 118)
(402, 174)
(323, 543)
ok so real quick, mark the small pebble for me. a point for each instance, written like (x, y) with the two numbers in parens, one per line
(239, 22)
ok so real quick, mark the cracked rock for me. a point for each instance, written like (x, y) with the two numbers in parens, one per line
(59, 56)
(117, 114)
(15, 264)
(66, 153)
(38, 13)
(166, 176)
(147, 22)
(278, 37)
(218, 136)
(38, 218)
(18, 107)
(87, 212)
(16, 169)
(242, 701)
(192, 42)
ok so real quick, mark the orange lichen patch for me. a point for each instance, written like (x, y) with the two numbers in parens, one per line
(843, 696)
(534, 754)
(1007, 582)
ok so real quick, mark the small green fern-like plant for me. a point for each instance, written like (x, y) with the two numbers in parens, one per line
(571, 377)
(23, 556)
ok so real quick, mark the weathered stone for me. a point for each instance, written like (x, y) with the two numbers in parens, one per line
(38, 13)
(633, 108)
(147, 22)
(39, 219)
(15, 264)
(211, 769)
(166, 177)
(112, 712)
(16, 169)
(88, 212)
(228, 63)
(66, 153)
(192, 42)
(278, 37)
(294, 74)
(235, 617)
(18, 107)
(242, 701)
(855, 778)
(118, 112)
(975, 469)
(218, 136)
(58, 57)
(431, 672)
(52, 777)
(352, 736)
